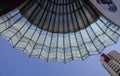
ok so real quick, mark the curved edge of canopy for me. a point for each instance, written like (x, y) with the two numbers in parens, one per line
(69, 59)
(59, 60)
(80, 59)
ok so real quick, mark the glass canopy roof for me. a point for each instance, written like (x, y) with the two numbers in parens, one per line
(58, 30)
(60, 16)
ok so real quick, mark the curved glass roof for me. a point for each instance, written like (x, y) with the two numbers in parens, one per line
(61, 44)
(59, 16)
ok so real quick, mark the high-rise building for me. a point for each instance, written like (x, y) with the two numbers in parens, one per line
(111, 62)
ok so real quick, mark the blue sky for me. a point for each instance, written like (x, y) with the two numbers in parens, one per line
(16, 63)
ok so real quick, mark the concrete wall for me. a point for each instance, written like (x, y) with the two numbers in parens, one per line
(113, 16)
(107, 67)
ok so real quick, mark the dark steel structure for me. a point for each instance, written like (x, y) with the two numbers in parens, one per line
(58, 30)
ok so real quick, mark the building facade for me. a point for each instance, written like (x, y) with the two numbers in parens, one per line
(111, 62)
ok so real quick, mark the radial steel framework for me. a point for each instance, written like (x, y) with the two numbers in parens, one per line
(58, 30)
